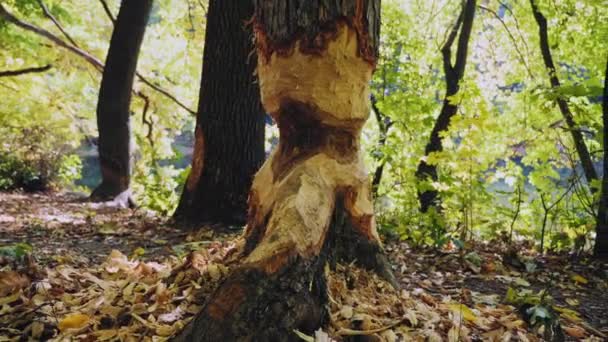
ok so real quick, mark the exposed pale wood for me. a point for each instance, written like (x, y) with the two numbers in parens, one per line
(302, 195)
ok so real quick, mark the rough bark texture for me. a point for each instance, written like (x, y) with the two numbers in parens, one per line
(601, 230)
(310, 203)
(113, 117)
(577, 135)
(229, 145)
(453, 75)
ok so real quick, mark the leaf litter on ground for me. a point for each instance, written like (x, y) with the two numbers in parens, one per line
(134, 294)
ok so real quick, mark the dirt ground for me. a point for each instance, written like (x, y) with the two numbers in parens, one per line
(81, 251)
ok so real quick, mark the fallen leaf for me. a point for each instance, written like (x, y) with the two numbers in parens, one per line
(572, 301)
(575, 331)
(11, 282)
(467, 313)
(579, 279)
(73, 321)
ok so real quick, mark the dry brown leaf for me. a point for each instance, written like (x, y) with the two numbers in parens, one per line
(575, 331)
(11, 282)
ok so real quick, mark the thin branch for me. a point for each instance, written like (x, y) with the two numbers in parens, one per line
(87, 56)
(446, 49)
(521, 35)
(50, 36)
(164, 92)
(49, 15)
(144, 117)
(521, 56)
(25, 71)
(106, 9)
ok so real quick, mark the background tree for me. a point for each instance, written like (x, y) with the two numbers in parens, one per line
(453, 76)
(601, 240)
(315, 62)
(229, 135)
(113, 115)
(577, 135)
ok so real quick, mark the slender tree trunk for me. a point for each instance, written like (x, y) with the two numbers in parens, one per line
(113, 117)
(229, 136)
(577, 136)
(453, 75)
(384, 125)
(310, 202)
(601, 240)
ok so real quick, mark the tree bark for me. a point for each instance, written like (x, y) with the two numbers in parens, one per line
(310, 203)
(600, 249)
(229, 135)
(577, 135)
(113, 117)
(453, 75)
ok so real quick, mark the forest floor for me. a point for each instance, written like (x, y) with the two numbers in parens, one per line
(70, 269)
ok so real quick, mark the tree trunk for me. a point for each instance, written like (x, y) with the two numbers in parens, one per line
(453, 75)
(113, 117)
(229, 136)
(310, 203)
(577, 136)
(601, 230)
(384, 125)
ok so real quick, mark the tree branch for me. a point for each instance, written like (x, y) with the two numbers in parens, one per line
(25, 71)
(49, 15)
(106, 9)
(446, 49)
(48, 35)
(521, 55)
(144, 117)
(88, 57)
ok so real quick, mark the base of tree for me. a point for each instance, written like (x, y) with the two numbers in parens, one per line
(191, 219)
(113, 197)
(255, 305)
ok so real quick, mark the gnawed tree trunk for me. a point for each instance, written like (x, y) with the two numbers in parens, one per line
(310, 202)
(113, 117)
(453, 75)
(577, 135)
(229, 145)
(600, 249)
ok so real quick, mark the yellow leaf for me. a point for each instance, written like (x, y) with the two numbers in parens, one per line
(572, 301)
(579, 279)
(10, 299)
(73, 321)
(568, 313)
(467, 313)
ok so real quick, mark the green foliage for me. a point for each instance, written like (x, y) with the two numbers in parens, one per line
(59, 106)
(31, 159)
(508, 145)
(16, 252)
